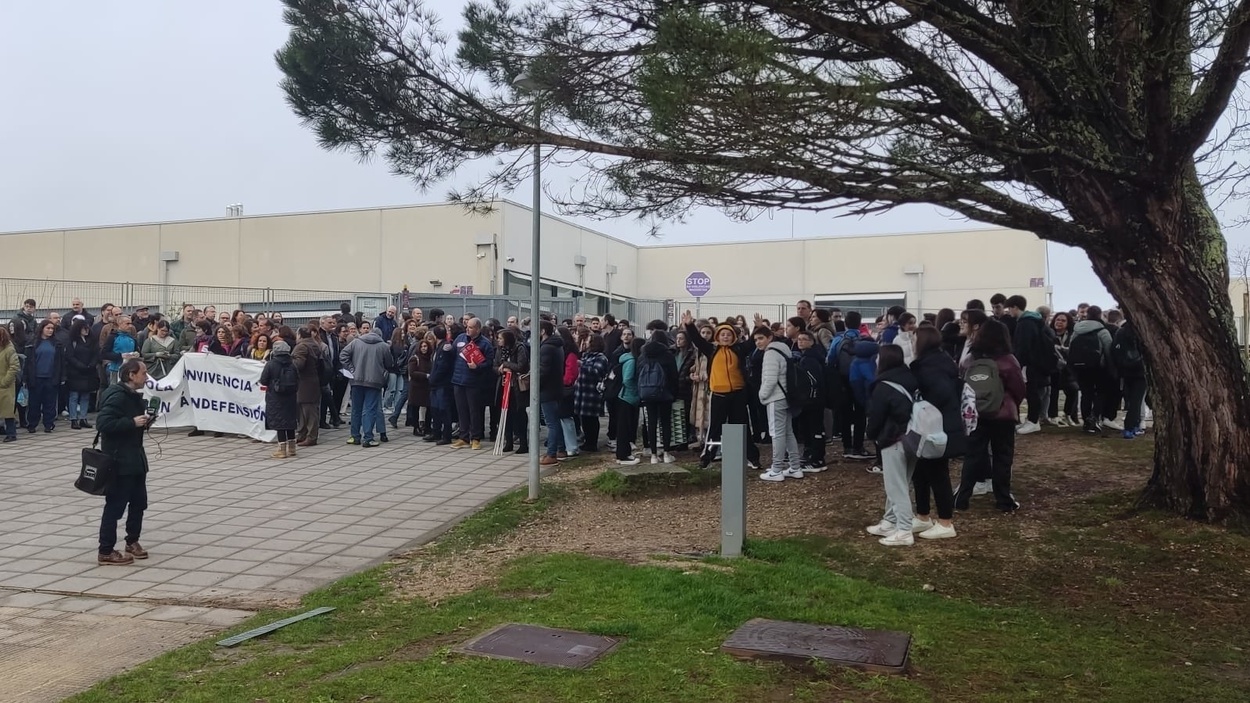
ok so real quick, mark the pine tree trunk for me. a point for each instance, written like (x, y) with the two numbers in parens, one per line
(1173, 285)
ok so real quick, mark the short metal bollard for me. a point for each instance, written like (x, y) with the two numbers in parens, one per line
(733, 496)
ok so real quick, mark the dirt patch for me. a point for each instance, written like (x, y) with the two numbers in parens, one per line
(1077, 540)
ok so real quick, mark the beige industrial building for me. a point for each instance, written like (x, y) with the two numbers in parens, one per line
(442, 248)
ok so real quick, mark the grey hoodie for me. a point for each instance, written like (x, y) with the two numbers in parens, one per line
(1104, 337)
(367, 357)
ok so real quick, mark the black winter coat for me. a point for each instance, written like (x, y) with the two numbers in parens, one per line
(281, 409)
(888, 410)
(82, 366)
(119, 438)
(660, 352)
(59, 365)
(551, 369)
(937, 378)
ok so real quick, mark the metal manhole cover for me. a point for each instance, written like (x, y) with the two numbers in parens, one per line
(540, 645)
(795, 642)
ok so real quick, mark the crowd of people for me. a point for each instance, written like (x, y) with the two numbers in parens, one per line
(799, 385)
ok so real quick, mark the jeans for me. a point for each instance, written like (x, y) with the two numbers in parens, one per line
(396, 393)
(42, 396)
(440, 424)
(626, 429)
(77, 407)
(568, 428)
(366, 412)
(1134, 397)
(991, 452)
(897, 468)
(471, 405)
(659, 427)
(555, 436)
(785, 445)
(126, 492)
(10, 428)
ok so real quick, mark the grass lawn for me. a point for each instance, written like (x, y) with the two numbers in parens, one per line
(1089, 601)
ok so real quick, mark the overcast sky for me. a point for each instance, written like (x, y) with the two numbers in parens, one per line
(145, 110)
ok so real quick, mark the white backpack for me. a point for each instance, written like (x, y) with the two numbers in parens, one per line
(926, 433)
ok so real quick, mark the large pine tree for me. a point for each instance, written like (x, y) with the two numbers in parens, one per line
(1093, 123)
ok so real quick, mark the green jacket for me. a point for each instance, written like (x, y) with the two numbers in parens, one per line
(159, 367)
(629, 379)
(119, 438)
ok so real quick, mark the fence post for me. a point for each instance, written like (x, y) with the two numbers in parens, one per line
(733, 479)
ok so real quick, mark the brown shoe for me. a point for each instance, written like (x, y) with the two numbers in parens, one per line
(562, 455)
(548, 461)
(114, 558)
(136, 551)
(306, 443)
(459, 444)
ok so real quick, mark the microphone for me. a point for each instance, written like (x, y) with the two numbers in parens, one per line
(154, 406)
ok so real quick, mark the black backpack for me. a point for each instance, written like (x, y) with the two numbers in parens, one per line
(652, 381)
(286, 380)
(1126, 353)
(1085, 351)
(846, 356)
(612, 382)
(802, 388)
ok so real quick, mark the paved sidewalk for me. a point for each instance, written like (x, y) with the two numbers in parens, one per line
(227, 527)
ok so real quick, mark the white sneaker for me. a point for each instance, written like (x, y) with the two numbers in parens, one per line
(1113, 425)
(669, 458)
(938, 532)
(612, 444)
(1027, 427)
(793, 473)
(632, 461)
(881, 529)
(1060, 421)
(918, 525)
(981, 488)
(898, 538)
(874, 469)
(750, 465)
(773, 476)
(655, 458)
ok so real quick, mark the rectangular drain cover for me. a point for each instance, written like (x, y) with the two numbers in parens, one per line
(540, 645)
(795, 642)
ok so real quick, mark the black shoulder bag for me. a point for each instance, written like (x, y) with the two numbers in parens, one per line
(98, 470)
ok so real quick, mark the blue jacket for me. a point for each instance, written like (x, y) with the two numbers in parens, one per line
(831, 359)
(385, 326)
(440, 376)
(123, 343)
(889, 333)
(863, 370)
(484, 375)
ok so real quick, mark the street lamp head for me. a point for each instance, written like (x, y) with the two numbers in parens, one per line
(528, 84)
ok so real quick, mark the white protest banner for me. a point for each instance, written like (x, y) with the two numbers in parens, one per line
(214, 394)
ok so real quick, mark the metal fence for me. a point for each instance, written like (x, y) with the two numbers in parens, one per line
(297, 306)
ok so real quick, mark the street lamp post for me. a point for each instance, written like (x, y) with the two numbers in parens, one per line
(526, 84)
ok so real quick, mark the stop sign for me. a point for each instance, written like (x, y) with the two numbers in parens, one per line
(698, 284)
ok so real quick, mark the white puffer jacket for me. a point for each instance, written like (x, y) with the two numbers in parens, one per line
(773, 377)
